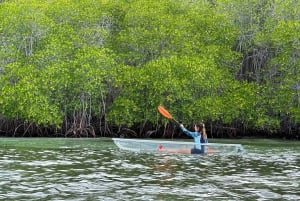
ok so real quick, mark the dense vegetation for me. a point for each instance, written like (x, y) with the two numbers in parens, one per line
(98, 67)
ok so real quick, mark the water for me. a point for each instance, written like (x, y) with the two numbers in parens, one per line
(94, 169)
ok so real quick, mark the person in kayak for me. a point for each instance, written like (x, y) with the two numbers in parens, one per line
(199, 136)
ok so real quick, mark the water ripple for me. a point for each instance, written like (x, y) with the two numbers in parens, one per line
(90, 173)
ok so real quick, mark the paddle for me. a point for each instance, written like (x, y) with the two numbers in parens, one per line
(166, 113)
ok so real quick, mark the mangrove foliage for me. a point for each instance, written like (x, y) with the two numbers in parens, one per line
(100, 68)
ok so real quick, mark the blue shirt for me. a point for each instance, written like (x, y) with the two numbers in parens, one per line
(197, 137)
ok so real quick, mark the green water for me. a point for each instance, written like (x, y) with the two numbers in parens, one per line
(94, 169)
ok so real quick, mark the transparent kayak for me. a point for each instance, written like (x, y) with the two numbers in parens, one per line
(139, 145)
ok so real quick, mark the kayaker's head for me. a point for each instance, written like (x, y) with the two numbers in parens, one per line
(200, 127)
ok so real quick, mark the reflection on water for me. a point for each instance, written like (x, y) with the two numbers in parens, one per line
(94, 169)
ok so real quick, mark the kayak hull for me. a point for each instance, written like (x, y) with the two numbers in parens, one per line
(139, 145)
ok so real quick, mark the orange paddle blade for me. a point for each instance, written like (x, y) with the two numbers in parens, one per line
(164, 112)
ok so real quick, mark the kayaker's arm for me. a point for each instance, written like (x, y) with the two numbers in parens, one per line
(187, 132)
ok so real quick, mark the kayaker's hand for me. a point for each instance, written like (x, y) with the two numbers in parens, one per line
(181, 125)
